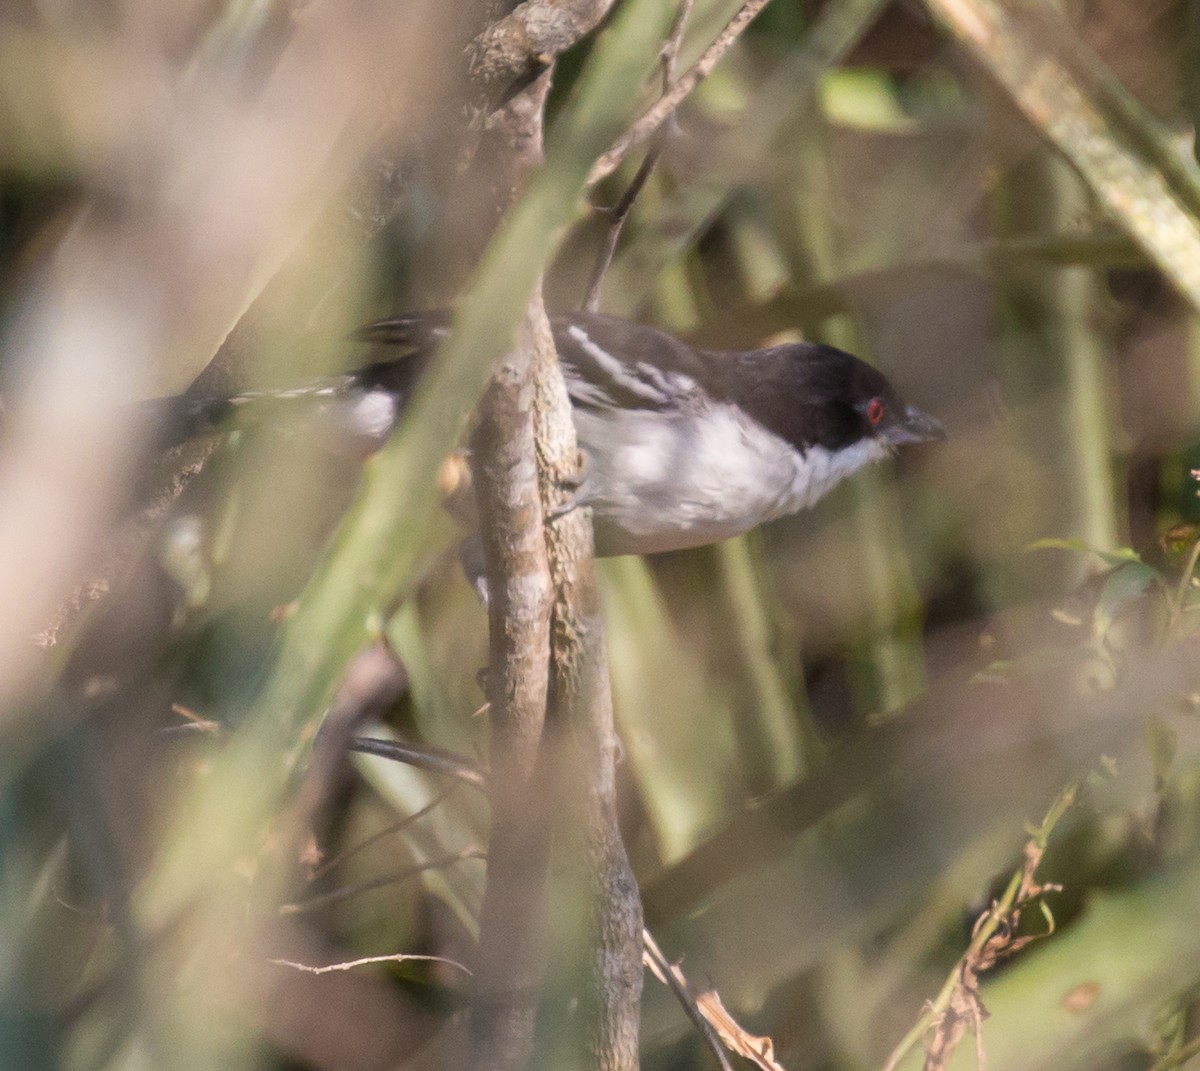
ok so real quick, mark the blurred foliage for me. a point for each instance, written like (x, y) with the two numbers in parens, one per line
(836, 730)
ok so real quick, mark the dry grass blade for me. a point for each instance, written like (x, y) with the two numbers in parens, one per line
(710, 1014)
(672, 977)
(759, 1050)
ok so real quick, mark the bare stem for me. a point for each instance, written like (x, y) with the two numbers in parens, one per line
(664, 107)
(1185, 581)
(306, 907)
(424, 757)
(619, 213)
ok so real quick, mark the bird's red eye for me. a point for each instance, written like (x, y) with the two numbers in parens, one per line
(875, 410)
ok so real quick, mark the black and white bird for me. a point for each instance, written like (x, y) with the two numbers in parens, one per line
(683, 446)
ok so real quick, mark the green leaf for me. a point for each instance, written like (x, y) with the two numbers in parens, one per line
(1120, 556)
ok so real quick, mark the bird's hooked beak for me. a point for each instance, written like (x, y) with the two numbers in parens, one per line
(916, 426)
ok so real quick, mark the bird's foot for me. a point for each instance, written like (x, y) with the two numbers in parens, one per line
(571, 486)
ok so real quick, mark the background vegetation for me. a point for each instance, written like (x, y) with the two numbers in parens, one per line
(846, 736)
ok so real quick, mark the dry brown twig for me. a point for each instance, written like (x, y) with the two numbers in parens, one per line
(735, 1037)
(348, 965)
(619, 212)
(959, 1006)
(665, 106)
(672, 977)
(708, 1014)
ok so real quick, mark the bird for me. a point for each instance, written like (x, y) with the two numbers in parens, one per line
(682, 446)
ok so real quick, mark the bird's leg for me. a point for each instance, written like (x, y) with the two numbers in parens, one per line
(571, 486)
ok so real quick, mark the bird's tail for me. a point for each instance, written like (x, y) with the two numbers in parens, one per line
(191, 415)
(417, 332)
(412, 338)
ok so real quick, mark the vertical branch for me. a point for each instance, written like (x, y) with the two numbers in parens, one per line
(583, 700)
(503, 1017)
(509, 968)
(576, 662)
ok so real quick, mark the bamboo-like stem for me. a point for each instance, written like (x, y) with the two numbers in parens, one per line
(1057, 373)
(893, 653)
(778, 756)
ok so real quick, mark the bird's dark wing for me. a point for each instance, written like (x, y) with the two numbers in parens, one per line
(607, 362)
(610, 363)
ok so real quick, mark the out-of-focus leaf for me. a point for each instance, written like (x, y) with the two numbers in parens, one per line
(892, 282)
(789, 90)
(677, 728)
(865, 99)
(1124, 584)
(1033, 663)
(1067, 93)
(1163, 744)
(1191, 71)
(775, 726)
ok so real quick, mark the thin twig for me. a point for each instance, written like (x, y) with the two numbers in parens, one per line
(424, 757)
(199, 724)
(619, 213)
(305, 907)
(395, 827)
(670, 51)
(399, 957)
(193, 724)
(189, 729)
(672, 977)
(662, 109)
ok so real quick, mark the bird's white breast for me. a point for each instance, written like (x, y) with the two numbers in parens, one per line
(667, 480)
